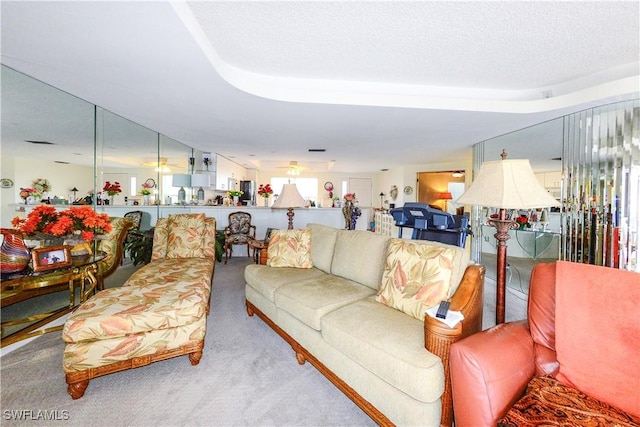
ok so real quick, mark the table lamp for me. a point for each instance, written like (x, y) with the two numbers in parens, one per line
(445, 196)
(181, 180)
(289, 199)
(200, 180)
(505, 184)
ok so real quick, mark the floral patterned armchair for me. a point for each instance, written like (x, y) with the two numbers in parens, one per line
(238, 232)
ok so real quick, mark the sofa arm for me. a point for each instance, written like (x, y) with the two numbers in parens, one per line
(438, 337)
(489, 372)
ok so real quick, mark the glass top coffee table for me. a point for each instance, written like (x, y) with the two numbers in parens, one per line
(25, 307)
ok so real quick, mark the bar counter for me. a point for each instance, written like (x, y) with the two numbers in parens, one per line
(261, 217)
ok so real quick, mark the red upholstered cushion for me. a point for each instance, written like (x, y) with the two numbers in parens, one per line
(548, 402)
(542, 319)
(598, 333)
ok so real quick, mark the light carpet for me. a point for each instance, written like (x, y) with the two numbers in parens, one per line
(248, 375)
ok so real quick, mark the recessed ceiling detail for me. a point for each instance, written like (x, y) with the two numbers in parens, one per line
(479, 56)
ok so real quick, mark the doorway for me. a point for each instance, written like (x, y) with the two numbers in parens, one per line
(432, 187)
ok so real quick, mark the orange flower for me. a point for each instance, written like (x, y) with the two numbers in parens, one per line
(46, 219)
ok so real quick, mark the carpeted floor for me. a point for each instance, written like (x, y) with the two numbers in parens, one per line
(248, 375)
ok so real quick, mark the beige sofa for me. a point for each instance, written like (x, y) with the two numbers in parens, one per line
(160, 311)
(390, 363)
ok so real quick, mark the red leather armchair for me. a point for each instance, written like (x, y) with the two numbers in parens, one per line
(493, 369)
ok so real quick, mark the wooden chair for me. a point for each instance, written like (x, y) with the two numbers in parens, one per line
(238, 232)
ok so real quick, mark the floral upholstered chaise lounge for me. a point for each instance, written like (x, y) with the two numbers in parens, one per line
(160, 312)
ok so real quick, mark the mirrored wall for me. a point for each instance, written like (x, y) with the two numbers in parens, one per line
(590, 162)
(48, 134)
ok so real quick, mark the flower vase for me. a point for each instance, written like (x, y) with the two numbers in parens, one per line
(266, 202)
(236, 200)
(145, 199)
(14, 254)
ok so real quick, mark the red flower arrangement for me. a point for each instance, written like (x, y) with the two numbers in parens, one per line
(523, 222)
(45, 219)
(112, 189)
(350, 197)
(265, 190)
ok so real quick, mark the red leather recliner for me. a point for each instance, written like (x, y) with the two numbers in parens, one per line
(583, 330)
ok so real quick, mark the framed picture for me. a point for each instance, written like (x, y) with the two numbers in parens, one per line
(50, 257)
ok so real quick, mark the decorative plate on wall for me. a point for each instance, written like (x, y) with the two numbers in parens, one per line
(151, 182)
(328, 186)
(6, 183)
(408, 190)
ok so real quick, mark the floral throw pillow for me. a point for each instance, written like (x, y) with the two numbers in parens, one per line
(290, 248)
(417, 276)
(186, 236)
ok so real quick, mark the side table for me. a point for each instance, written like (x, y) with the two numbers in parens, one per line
(258, 246)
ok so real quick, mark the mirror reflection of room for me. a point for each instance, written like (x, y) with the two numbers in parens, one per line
(440, 190)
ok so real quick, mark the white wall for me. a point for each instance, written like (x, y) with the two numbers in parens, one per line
(23, 171)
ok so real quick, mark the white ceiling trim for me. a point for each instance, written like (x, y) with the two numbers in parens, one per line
(385, 94)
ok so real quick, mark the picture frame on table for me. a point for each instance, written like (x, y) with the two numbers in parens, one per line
(50, 258)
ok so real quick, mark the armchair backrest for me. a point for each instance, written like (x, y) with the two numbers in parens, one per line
(136, 217)
(184, 236)
(240, 227)
(542, 312)
(112, 245)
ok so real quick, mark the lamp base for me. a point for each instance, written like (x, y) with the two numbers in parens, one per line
(290, 214)
(502, 225)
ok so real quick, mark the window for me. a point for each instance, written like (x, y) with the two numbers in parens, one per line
(307, 187)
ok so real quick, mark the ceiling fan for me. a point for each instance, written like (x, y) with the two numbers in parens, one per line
(294, 169)
(160, 165)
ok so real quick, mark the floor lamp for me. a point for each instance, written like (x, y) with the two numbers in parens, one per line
(289, 199)
(505, 184)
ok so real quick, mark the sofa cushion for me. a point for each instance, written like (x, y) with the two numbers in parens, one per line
(417, 276)
(161, 295)
(461, 258)
(598, 332)
(310, 300)
(290, 248)
(323, 244)
(388, 343)
(549, 402)
(360, 256)
(266, 280)
(185, 238)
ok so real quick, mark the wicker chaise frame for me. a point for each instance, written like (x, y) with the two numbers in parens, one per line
(438, 338)
(78, 381)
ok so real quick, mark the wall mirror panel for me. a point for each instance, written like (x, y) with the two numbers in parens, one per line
(50, 134)
(590, 162)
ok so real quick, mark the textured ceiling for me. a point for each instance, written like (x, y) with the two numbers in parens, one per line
(378, 84)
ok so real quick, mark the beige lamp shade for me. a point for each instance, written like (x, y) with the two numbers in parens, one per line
(508, 184)
(181, 180)
(200, 180)
(289, 198)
